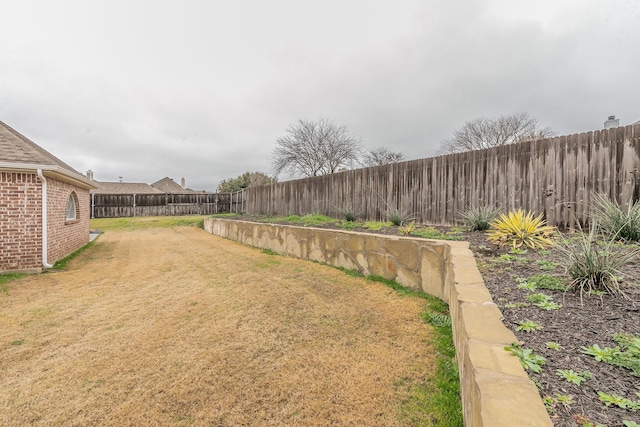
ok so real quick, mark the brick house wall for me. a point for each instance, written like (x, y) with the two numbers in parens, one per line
(64, 237)
(20, 222)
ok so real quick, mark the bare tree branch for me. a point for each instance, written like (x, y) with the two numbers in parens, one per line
(312, 148)
(484, 133)
(382, 156)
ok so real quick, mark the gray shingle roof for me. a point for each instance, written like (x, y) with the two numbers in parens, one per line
(17, 148)
(124, 188)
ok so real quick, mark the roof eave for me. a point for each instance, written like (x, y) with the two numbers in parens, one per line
(50, 171)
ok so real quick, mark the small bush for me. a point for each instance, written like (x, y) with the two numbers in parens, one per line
(616, 223)
(594, 265)
(518, 229)
(480, 218)
(399, 217)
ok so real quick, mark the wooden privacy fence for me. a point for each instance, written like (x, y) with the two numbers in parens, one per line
(130, 205)
(556, 177)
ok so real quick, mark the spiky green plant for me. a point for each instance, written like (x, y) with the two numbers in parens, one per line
(479, 218)
(616, 223)
(595, 264)
(518, 229)
(399, 217)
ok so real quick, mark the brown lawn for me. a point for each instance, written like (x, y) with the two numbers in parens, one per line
(173, 326)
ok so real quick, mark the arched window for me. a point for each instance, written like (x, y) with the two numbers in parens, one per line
(72, 207)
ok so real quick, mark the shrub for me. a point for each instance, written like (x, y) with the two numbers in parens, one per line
(480, 218)
(398, 217)
(518, 229)
(595, 265)
(616, 223)
(349, 213)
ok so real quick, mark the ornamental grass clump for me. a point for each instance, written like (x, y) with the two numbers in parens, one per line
(480, 218)
(616, 223)
(595, 264)
(518, 229)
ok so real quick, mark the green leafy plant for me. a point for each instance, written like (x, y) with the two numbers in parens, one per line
(507, 257)
(517, 229)
(619, 401)
(528, 360)
(516, 305)
(553, 345)
(552, 402)
(616, 223)
(572, 376)
(628, 423)
(547, 265)
(595, 265)
(527, 326)
(547, 281)
(527, 286)
(629, 355)
(543, 301)
(565, 400)
(600, 354)
(479, 218)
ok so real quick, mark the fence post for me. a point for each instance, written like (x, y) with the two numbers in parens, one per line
(134, 205)
(93, 204)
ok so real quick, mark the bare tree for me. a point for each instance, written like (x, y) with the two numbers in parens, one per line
(485, 133)
(313, 148)
(382, 156)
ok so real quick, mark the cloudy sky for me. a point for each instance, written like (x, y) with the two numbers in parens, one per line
(201, 89)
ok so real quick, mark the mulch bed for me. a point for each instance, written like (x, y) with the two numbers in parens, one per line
(581, 322)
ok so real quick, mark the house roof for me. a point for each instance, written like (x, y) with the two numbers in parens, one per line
(19, 153)
(168, 185)
(124, 188)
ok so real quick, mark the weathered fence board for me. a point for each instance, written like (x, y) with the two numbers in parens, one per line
(556, 177)
(130, 205)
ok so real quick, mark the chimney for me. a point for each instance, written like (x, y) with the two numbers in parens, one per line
(612, 122)
(90, 175)
(183, 183)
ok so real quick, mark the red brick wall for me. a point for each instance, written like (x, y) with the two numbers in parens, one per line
(20, 222)
(64, 237)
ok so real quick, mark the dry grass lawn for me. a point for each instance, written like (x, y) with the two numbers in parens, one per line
(173, 326)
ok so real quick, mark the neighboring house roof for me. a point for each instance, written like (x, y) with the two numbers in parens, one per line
(18, 153)
(124, 188)
(168, 185)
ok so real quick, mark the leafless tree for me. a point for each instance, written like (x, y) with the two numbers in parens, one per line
(382, 156)
(485, 133)
(312, 148)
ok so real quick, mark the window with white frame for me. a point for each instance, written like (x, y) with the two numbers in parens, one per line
(72, 207)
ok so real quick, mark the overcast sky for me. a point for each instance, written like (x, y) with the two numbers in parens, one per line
(201, 89)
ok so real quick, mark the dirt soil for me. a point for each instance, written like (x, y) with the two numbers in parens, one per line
(173, 326)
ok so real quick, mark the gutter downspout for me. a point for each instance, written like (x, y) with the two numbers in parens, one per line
(45, 264)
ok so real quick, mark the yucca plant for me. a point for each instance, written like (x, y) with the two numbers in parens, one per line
(399, 217)
(595, 264)
(479, 218)
(518, 229)
(616, 223)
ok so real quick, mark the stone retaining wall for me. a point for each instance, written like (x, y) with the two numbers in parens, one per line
(495, 389)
